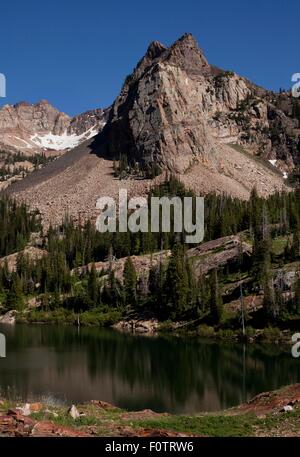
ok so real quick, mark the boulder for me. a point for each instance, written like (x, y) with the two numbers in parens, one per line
(103, 404)
(149, 326)
(24, 410)
(73, 412)
(8, 318)
(287, 408)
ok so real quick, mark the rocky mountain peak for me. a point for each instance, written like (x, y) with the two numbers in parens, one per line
(155, 49)
(186, 42)
(176, 110)
(20, 104)
(43, 102)
(186, 54)
(155, 103)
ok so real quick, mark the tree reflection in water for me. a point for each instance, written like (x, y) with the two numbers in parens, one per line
(162, 373)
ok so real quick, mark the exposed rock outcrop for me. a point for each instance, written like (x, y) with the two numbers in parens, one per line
(31, 252)
(8, 318)
(31, 128)
(138, 326)
(175, 108)
(205, 257)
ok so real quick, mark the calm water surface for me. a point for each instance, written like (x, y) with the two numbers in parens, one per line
(64, 364)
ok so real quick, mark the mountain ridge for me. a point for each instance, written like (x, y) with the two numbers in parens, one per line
(212, 128)
(37, 127)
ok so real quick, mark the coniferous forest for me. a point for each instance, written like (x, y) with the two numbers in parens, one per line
(67, 279)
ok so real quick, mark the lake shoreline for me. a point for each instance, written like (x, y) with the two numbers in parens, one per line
(173, 372)
(152, 327)
(274, 413)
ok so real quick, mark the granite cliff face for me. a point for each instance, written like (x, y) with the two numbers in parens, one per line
(40, 117)
(175, 109)
(40, 127)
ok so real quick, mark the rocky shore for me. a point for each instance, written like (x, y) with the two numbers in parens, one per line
(138, 326)
(268, 414)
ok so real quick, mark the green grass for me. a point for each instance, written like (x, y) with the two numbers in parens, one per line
(230, 423)
(207, 425)
(285, 421)
(278, 245)
(214, 425)
(64, 316)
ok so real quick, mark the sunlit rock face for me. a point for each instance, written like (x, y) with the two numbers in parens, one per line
(34, 128)
(175, 109)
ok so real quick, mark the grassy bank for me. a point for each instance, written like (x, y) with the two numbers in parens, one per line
(265, 415)
(63, 316)
(269, 334)
(95, 318)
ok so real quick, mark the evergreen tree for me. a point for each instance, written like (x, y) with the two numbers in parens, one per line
(216, 302)
(177, 284)
(269, 302)
(113, 293)
(297, 294)
(295, 248)
(156, 287)
(130, 283)
(93, 289)
(261, 248)
(15, 297)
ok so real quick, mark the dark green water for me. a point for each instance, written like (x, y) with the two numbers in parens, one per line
(64, 364)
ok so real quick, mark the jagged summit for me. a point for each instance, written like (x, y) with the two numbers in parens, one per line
(187, 43)
(141, 122)
(187, 38)
(26, 103)
(155, 49)
(186, 53)
(175, 107)
(43, 101)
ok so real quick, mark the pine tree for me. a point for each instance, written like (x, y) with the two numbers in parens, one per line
(112, 292)
(130, 283)
(216, 302)
(269, 302)
(177, 284)
(55, 300)
(156, 286)
(297, 294)
(261, 249)
(93, 289)
(15, 297)
(255, 205)
(295, 248)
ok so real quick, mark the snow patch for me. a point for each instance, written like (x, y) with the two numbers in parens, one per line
(273, 162)
(64, 141)
(284, 173)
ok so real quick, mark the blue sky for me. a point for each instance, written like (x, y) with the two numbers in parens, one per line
(76, 54)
